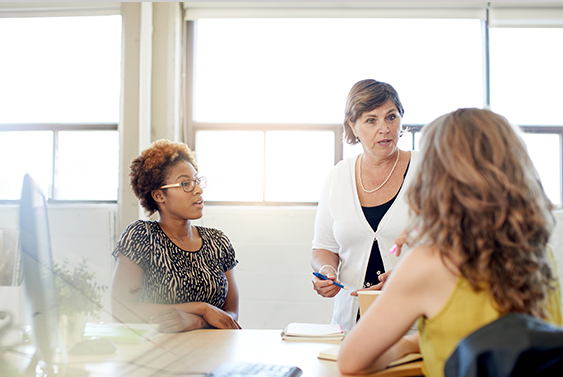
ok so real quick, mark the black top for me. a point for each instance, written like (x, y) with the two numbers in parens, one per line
(373, 216)
(375, 265)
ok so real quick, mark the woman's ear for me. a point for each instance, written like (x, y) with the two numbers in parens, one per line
(353, 127)
(158, 196)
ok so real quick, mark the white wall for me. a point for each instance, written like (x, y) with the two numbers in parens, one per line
(77, 231)
(272, 246)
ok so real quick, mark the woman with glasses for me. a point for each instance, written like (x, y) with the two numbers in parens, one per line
(170, 271)
(362, 207)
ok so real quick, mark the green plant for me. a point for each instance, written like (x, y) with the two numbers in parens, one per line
(77, 290)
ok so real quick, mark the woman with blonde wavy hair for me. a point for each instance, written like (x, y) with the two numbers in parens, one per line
(480, 229)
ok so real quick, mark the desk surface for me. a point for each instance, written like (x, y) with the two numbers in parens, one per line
(201, 351)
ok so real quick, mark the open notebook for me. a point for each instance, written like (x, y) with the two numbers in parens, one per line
(332, 354)
(312, 332)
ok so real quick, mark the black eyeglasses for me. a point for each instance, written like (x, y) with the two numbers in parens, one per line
(188, 185)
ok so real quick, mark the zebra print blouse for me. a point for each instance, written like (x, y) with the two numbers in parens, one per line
(172, 275)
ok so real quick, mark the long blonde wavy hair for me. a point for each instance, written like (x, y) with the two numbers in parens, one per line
(478, 198)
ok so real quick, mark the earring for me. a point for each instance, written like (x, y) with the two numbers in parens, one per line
(357, 139)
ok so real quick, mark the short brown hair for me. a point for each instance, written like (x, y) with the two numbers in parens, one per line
(150, 169)
(367, 95)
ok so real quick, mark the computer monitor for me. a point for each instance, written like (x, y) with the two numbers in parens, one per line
(40, 303)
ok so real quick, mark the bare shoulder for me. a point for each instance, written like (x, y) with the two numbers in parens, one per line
(423, 267)
(425, 279)
(420, 261)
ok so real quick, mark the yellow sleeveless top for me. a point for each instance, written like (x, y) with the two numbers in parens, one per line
(463, 313)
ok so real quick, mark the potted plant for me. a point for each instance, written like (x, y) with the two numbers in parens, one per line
(79, 295)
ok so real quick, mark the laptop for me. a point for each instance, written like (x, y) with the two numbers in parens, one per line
(243, 369)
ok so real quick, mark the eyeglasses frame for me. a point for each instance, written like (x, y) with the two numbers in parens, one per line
(196, 181)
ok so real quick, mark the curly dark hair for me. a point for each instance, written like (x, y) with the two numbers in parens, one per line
(478, 196)
(150, 169)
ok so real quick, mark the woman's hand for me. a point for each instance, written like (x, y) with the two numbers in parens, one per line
(172, 320)
(326, 288)
(326, 262)
(399, 242)
(377, 287)
(219, 318)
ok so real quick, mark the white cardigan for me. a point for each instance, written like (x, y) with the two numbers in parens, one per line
(341, 227)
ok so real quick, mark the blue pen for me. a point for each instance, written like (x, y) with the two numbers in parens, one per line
(322, 277)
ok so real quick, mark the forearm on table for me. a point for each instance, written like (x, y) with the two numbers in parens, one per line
(232, 314)
(402, 348)
(231, 308)
(198, 323)
(136, 311)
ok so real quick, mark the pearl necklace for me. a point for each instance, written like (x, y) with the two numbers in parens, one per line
(384, 182)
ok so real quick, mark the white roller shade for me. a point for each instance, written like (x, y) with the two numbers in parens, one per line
(462, 10)
(539, 16)
(501, 14)
(47, 9)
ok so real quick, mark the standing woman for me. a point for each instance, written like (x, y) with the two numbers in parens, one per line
(362, 207)
(170, 271)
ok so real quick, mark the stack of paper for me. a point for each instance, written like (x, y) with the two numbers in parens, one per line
(312, 332)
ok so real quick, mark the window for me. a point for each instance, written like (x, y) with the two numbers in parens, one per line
(526, 82)
(269, 94)
(59, 89)
(297, 162)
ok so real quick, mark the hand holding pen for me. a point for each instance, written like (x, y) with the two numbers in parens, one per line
(326, 286)
(322, 277)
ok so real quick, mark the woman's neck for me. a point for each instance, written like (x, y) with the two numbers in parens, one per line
(372, 162)
(181, 230)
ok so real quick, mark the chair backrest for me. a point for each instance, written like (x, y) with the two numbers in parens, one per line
(514, 345)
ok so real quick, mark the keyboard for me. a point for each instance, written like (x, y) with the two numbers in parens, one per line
(240, 369)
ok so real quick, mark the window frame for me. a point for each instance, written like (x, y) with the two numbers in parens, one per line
(538, 129)
(263, 127)
(53, 10)
(557, 130)
(192, 127)
(55, 128)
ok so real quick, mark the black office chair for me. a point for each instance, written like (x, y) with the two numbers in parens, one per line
(512, 346)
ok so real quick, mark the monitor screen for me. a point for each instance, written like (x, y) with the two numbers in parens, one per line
(40, 301)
